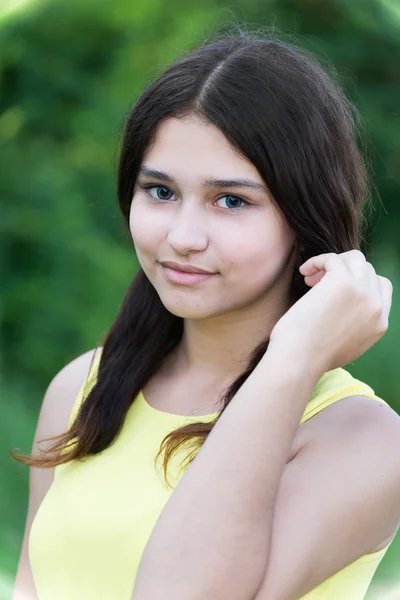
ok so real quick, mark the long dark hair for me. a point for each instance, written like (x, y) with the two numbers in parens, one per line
(279, 107)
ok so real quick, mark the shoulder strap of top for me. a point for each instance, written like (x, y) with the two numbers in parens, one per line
(333, 386)
(86, 386)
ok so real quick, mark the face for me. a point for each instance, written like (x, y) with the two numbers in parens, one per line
(208, 207)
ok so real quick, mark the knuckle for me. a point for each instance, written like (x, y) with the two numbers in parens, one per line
(385, 281)
(383, 326)
(349, 288)
(358, 253)
(376, 310)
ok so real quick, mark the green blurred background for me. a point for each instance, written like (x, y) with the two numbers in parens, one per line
(70, 70)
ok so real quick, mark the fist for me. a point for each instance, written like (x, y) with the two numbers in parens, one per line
(342, 316)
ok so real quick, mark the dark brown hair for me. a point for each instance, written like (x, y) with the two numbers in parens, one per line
(281, 110)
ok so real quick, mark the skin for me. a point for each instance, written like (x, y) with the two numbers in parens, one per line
(241, 499)
(249, 247)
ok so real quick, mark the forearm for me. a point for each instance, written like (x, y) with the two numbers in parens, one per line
(24, 586)
(212, 539)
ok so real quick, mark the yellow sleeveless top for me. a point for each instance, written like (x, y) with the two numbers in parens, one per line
(90, 531)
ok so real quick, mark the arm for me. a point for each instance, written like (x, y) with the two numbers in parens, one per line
(24, 585)
(222, 511)
(338, 500)
(53, 418)
(212, 539)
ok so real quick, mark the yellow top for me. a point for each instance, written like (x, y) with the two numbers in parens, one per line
(90, 531)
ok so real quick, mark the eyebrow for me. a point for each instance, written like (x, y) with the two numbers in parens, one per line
(210, 182)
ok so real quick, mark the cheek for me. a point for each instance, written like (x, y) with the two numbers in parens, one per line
(144, 228)
(257, 261)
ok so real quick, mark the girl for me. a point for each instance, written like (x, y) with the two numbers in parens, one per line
(243, 191)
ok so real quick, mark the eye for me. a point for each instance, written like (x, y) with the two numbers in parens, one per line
(161, 191)
(235, 200)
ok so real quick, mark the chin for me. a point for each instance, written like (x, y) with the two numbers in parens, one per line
(188, 309)
(187, 313)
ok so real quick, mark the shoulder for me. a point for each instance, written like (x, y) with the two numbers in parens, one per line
(68, 381)
(55, 410)
(365, 432)
(356, 416)
(337, 397)
(355, 413)
(57, 404)
(338, 498)
(78, 368)
(61, 395)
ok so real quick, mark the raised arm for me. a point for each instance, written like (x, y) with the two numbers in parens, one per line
(212, 539)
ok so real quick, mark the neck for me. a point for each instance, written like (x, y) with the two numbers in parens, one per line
(218, 349)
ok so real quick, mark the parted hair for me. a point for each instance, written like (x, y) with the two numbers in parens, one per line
(287, 113)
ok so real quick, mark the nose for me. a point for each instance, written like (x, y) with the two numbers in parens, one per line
(186, 233)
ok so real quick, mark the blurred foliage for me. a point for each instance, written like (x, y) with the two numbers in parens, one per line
(69, 72)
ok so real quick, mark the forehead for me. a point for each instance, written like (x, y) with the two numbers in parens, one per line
(190, 148)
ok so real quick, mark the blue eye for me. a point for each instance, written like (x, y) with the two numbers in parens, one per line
(162, 194)
(158, 187)
(236, 198)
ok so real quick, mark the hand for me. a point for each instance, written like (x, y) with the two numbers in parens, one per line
(342, 316)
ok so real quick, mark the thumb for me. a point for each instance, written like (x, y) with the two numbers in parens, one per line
(315, 278)
(322, 262)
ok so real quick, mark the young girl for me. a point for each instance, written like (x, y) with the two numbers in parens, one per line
(243, 190)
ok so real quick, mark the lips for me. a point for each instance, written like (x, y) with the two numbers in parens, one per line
(185, 268)
(184, 277)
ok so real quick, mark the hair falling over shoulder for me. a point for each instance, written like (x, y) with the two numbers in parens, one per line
(300, 131)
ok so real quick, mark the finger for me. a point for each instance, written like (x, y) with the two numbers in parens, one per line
(363, 272)
(386, 288)
(374, 281)
(326, 262)
(311, 280)
(353, 256)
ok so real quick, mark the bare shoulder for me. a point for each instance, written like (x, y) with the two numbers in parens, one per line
(375, 427)
(57, 404)
(338, 499)
(352, 414)
(61, 395)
